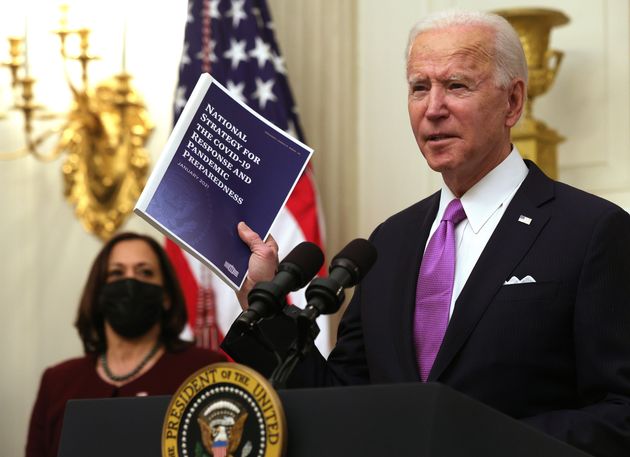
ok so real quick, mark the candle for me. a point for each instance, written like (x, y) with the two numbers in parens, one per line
(124, 47)
(26, 69)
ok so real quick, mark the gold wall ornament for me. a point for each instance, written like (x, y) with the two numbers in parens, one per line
(106, 166)
(103, 135)
(534, 139)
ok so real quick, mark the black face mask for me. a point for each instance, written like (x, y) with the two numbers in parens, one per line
(131, 307)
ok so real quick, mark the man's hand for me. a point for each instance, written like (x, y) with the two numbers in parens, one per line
(262, 263)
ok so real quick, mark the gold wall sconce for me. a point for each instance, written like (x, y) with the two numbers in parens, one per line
(102, 136)
(534, 139)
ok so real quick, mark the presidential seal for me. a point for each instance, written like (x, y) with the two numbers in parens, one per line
(224, 410)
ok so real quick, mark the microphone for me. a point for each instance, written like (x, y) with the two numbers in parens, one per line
(324, 296)
(294, 272)
(347, 269)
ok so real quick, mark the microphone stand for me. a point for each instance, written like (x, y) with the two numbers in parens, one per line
(265, 342)
(307, 331)
(324, 296)
(247, 323)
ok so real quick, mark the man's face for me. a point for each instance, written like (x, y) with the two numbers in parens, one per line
(460, 118)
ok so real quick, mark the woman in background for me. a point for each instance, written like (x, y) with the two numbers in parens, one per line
(130, 316)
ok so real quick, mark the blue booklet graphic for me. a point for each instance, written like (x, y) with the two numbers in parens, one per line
(222, 164)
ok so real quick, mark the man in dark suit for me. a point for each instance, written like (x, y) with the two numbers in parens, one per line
(536, 312)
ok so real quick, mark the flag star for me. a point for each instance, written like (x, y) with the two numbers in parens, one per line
(261, 51)
(180, 98)
(291, 130)
(214, 9)
(185, 58)
(236, 13)
(264, 92)
(257, 15)
(278, 63)
(237, 90)
(213, 56)
(236, 53)
(191, 17)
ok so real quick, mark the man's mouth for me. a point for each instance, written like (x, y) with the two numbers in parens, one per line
(439, 137)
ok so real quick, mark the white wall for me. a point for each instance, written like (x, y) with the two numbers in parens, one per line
(392, 172)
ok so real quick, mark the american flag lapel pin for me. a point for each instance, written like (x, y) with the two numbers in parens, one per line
(525, 220)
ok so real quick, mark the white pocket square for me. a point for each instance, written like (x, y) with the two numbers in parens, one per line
(515, 280)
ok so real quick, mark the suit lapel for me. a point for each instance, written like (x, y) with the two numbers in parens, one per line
(413, 241)
(507, 246)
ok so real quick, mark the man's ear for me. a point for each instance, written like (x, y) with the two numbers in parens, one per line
(516, 101)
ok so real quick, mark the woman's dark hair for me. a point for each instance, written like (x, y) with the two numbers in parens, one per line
(90, 322)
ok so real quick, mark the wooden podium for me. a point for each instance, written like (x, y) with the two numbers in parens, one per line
(417, 420)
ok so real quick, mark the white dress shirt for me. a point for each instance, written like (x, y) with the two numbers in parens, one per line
(484, 204)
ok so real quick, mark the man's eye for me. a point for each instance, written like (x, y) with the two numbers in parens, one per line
(419, 88)
(457, 86)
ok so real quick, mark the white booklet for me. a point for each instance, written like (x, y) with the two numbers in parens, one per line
(223, 163)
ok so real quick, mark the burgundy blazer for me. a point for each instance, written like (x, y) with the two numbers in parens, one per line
(77, 378)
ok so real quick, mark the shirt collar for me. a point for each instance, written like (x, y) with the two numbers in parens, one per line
(484, 198)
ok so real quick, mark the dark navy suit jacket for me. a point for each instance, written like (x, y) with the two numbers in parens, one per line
(554, 353)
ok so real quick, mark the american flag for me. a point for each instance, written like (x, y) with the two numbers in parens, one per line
(233, 40)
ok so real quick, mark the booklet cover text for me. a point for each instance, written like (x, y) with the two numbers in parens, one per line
(222, 164)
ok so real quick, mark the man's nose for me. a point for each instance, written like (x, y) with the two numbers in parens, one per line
(436, 104)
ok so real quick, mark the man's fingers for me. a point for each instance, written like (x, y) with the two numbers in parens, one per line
(271, 242)
(249, 237)
(260, 248)
(264, 258)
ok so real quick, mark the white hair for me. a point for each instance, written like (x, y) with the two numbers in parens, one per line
(509, 56)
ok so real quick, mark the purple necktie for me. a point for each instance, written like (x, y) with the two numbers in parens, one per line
(435, 289)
